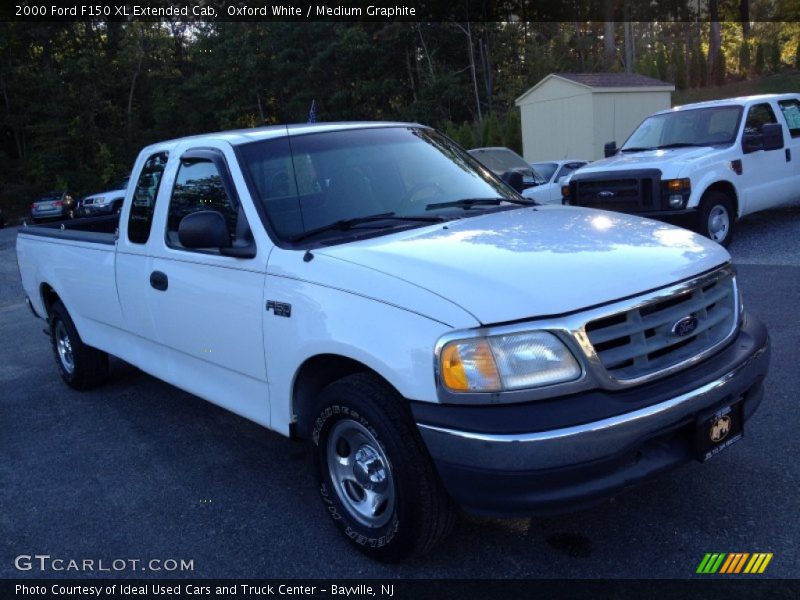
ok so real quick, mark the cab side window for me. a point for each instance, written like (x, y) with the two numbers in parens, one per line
(144, 198)
(758, 116)
(199, 187)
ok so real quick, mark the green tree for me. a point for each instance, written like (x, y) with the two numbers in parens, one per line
(679, 63)
(513, 130)
(661, 64)
(491, 133)
(719, 68)
(466, 137)
(797, 56)
(775, 55)
(760, 60)
(744, 57)
(696, 61)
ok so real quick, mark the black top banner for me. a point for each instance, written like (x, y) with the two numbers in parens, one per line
(392, 10)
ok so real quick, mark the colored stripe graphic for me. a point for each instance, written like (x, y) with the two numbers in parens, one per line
(734, 563)
(711, 562)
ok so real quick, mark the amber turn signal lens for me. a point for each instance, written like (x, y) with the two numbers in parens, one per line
(469, 366)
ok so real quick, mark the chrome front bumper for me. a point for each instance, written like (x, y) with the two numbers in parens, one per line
(507, 473)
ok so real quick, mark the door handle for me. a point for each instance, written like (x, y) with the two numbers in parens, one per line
(788, 155)
(159, 281)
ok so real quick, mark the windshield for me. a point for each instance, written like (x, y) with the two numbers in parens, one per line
(308, 182)
(545, 169)
(500, 160)
(696, 127)
(51, 196)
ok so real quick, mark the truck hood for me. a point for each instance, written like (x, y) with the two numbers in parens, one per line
(538, 262)
(648, 158)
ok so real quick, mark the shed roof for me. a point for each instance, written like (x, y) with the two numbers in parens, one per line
(612, 80)
(606, 82)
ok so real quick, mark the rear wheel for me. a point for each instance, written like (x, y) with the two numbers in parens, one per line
(376, 479)
(716, 218)
(81, 366)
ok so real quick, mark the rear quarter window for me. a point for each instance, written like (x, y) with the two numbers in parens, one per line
(143, 204)
(791, 112)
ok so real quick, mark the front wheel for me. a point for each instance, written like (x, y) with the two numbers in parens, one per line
(716, 218)
(375, 476)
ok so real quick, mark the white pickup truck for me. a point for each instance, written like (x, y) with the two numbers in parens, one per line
(700, 165)
(438, 339)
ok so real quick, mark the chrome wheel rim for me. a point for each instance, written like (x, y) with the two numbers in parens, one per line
(719, 223)
(64, 347)
(361, 473)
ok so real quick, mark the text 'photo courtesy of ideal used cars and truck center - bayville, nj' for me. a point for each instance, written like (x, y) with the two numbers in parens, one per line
(451, 283)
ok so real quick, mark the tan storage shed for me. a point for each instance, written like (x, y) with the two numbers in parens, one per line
(572, 115)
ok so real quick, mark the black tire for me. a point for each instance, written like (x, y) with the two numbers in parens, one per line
(716, 218)
(419, 512)
(81, 366)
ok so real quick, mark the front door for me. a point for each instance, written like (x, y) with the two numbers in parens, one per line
(208, 307)
(763, 171)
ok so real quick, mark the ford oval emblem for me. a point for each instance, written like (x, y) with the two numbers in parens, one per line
(606, 194)
(685, 326)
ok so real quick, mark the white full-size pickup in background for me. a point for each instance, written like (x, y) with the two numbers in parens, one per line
(701, 165)
(438, 339)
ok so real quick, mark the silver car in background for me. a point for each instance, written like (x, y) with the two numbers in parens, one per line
(53, 205)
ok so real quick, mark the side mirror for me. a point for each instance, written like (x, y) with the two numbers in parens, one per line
(204, 229)
(772, 134)
(610, 149)
(514, 179)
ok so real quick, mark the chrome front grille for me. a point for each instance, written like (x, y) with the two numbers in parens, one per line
(642, 341)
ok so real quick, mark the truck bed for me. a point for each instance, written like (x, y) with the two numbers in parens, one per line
(99, 230)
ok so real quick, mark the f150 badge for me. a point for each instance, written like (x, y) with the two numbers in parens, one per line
(279, 309)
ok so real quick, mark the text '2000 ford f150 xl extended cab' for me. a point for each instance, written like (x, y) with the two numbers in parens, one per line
(701, 165)
(438, 339)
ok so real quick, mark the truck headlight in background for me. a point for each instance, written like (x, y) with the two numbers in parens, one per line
(676, 191)
(506, 362)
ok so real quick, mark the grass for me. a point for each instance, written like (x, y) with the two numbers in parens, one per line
(770, 84)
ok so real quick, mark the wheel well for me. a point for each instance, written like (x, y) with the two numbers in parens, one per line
(49, 298)
(313, 375)
(725, 187)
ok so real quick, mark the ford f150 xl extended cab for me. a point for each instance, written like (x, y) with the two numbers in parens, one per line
(701, 165)
(438, 339)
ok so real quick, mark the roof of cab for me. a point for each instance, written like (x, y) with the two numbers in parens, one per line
(236, 137)
(737, 101)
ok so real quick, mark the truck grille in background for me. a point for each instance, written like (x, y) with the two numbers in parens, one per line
(640, 342)
(629, 195)
(637, 191)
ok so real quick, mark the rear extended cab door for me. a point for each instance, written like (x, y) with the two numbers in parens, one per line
(198, 314)
(789, 116)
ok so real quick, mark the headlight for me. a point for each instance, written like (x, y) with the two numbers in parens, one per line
(100, 200)
(676, 191)
(506, 362)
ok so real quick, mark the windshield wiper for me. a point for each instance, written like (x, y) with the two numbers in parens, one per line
(345, 224)
(466, 203)
(679, 145)
(636, 149)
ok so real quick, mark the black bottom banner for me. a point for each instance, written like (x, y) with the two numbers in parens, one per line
(419, 589)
